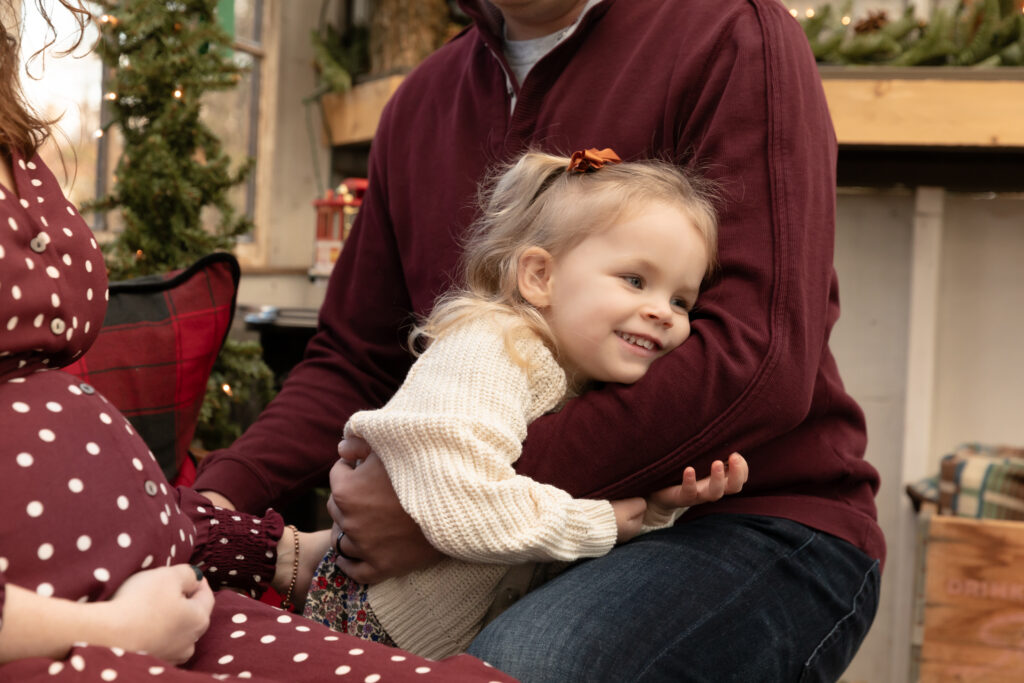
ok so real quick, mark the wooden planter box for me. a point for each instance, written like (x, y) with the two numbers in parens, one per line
(972, 600)
(926, 106)
(879, 106)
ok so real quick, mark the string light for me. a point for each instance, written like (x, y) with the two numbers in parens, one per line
(108, 19)
(110, 96)
(98, 133)
(846, 21)
(177, 93)
(793, 12)
(810, 12)
(226, 388)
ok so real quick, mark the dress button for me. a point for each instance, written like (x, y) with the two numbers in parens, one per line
(151, 487)
(58, 326)
(86, 388)
(38, 244)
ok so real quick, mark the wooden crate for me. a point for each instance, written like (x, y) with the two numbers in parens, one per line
(973, 601)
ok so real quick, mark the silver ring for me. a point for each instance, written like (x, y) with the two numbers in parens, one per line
(337, 543)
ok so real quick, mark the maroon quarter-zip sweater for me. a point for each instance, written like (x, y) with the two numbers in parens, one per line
(728, 87)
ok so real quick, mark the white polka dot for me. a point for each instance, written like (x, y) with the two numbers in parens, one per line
(92, 448)
(45, 551)
(2, 253)
(54, 407)
(300, 657)
(73, 389)
(268, 639)
(31, 165)
(38, 322)
(20, 407)
(13, 223)
(239, 618)
(136, 463)
(55, 668)
(78, 662)
(122, 501)
(16, 292)
(237, 634)
(88, 266)
(66, 259)
(355, 652)
(54, 300)
(244, 674)
(52, 272)
(108, 675)
(331, 639)
(124, 540)
(101, 574)
(24, 459)
(71, 212)
(163, 518)
(83, 543)
(372, 678)
(45, 589)
(422, 669)
(34, 509)
(12, 323)
(105, 419)
(148, 561)
(284, 618)
(342, 670)
(47, 435)
(23, 202)
(397, 658)
(88, 324)
(300, 629)
(226, 659)
(75, 485)
(155, 670)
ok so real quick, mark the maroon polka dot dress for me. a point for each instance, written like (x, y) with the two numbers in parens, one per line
(84, 505)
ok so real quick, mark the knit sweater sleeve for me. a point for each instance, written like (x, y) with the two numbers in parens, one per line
(448, 439)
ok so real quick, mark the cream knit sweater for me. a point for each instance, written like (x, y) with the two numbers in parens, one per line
(448, 439)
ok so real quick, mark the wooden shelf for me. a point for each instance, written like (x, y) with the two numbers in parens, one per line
(871, 106)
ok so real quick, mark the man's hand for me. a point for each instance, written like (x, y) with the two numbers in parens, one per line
(381, 540)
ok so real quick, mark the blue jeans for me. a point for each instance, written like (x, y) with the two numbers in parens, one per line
(722, 598)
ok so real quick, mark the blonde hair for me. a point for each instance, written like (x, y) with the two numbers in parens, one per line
(533, 202)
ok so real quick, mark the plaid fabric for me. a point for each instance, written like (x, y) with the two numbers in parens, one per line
(156, 349)
(984, 482)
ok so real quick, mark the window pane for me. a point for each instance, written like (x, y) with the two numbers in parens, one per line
(67, 87)
(231, 115)
(247, 25)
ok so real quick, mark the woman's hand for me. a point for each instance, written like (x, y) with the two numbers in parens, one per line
(312, 548)
(161, 611)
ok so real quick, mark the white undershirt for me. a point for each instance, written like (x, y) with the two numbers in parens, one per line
(522, 55)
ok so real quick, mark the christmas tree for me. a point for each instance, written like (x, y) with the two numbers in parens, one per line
(162, 56)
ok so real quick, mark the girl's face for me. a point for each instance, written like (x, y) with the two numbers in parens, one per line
(620, 299)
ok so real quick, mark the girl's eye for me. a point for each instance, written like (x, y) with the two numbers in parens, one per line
(680, 304)
(633, 281)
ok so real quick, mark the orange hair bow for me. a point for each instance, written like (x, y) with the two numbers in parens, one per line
(588, 161)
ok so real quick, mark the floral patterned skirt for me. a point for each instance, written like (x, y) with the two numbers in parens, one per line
(340, 603)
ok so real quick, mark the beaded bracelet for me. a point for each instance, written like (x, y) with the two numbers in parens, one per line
(287, 602)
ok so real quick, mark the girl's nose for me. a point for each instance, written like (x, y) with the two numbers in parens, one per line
(659, 314)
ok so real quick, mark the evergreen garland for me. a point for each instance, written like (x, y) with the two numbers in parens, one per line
(983, 33)
(162, 57)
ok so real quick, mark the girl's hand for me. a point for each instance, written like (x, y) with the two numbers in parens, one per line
(723, 480)
(161, 611)
(629, 517)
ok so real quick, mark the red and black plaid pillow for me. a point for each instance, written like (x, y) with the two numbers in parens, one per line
(156, 349)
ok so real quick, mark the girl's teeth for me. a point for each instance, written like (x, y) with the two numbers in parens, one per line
(636, 341)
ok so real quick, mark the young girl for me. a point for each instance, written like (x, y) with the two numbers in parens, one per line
(580, 270)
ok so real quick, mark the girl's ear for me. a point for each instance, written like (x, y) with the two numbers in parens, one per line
(534, 276)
